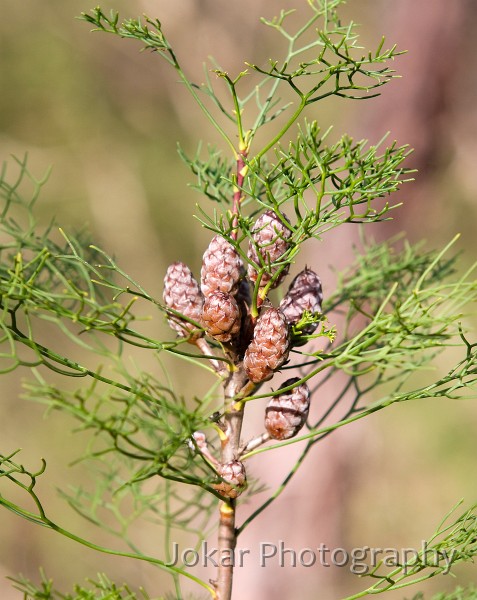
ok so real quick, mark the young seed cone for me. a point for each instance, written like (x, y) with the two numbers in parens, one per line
(235, 478)
(304, 294)
(222, 267)
(271, 236)
(269, 347)
(182, 294)
(221, 316)
(286, 414)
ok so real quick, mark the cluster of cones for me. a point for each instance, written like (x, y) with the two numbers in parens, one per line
(221, 309)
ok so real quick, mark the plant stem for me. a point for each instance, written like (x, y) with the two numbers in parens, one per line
(227, 540)
(238, 197)
(227, 537)
(217, 365)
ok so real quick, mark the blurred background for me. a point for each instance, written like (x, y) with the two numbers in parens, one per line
(107, 119)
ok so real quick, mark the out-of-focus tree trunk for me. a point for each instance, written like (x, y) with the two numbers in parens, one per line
(432, 108)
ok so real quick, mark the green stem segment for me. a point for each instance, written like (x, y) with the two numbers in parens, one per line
(41, 519)
(238, 196)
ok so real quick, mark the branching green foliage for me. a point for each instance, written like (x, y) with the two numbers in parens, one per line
(469, 593)
(385, 342)
(345, 179)
(457, 541)
(102, 588)
(43, 281)
(17, 475)
(331, 58)
(397, 306)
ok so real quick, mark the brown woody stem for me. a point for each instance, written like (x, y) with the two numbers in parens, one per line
(227, 537)
(227, 540)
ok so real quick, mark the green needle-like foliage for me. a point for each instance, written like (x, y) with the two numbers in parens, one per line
(102, 588)
(456, 540)
(394, 309)
(469, 593)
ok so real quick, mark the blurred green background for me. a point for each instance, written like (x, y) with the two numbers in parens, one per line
(107, 119)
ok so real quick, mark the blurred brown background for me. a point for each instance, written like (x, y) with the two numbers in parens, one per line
(107, 118)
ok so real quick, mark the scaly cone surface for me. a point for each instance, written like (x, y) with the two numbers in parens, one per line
(222, 268)
(182, 294)
(304, 294)
(270, 242)
(286, 413)
(221, 316)
(269, 347)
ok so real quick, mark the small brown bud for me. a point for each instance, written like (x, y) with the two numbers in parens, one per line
(235, 479)
(182, 294)
(271, 236)
(221, 316)
(286, 413)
